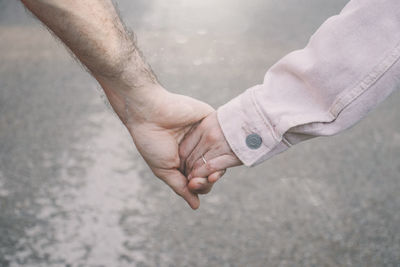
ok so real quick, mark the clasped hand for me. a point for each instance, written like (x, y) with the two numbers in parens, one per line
(181, 141)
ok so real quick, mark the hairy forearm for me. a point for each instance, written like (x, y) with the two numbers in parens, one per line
(95, 34)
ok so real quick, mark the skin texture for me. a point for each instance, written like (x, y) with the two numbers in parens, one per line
(208, 140)
(156, 119)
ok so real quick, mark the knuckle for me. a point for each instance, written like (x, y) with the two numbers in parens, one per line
(210, 138)
(213, 136)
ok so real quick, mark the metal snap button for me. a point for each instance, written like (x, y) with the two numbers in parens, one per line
(254, 141)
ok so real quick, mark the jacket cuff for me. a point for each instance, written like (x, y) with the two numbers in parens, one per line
(249, 134)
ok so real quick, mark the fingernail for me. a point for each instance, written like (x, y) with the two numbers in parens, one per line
(190, 176)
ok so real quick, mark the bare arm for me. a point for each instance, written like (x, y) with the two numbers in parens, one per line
(156, 119)
(95, 34)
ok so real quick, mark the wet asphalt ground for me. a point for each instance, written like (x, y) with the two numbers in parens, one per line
(75, 192)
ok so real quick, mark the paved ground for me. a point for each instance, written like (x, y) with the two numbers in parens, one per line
(75, 192)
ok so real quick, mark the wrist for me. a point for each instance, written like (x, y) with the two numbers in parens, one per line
(132, 103)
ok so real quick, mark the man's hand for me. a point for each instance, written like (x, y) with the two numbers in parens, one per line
(206, 153)
(158, 132)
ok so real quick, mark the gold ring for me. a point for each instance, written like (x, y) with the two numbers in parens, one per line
(204, 160)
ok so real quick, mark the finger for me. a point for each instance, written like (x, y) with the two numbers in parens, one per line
(187, 145)
(204, 185)
(178, 183)
(216, 176)
(197, 153)
(200, 185)
(213, 153)
(214, 165)
(210, 143)
(181, 150)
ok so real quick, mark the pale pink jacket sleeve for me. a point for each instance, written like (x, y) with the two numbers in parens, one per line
(350, 65)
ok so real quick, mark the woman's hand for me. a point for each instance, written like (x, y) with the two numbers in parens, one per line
(206, 153)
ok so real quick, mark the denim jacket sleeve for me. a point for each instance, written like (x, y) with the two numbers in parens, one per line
(350, 65)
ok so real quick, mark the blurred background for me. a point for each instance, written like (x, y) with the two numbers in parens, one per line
(75, 192)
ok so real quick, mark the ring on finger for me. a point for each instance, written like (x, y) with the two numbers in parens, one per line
(204, 159)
